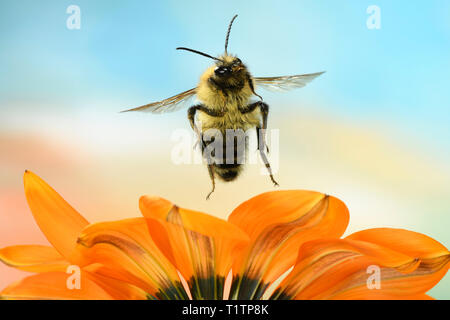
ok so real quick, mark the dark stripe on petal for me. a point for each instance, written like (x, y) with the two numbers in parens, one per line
(174, 292)
(207, 288)
(244, 288)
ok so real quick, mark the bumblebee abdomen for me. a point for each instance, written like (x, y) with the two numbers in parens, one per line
(228, 157)
(227, 172)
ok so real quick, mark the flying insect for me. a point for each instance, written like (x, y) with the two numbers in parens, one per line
(225, 92)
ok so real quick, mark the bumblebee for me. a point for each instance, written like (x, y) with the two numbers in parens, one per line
(225, 93)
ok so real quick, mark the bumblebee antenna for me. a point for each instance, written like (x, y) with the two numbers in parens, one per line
(228, 33)
(199, 52)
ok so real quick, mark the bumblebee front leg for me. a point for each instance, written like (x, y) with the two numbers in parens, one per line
(192, 111)
(191, 116)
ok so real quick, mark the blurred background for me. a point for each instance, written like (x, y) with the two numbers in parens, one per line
(373, 131)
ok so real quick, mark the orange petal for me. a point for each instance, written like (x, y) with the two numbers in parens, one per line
(53, 285)
(409, 242)
(115, 264)
(127, 252)
(201, 246)
(278, 223)
(33, 258)
(153, 206)
(339, 269)
(59, 222)
(390, 297)
(379, 296)
(119, 290)
(394, 284)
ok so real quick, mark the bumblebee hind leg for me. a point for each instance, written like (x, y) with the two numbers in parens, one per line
(211, 175)
(260, 133)
(264, 107)
(264, 157)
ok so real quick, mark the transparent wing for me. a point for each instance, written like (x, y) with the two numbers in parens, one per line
(287, 82)
(168, 105)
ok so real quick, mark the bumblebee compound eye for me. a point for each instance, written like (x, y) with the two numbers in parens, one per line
(222, 71)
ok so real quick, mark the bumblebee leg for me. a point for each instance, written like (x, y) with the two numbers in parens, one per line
(191, 116)
(264, 108)
(260, 132)
(213, 113)
(211, 175)
(265, 160)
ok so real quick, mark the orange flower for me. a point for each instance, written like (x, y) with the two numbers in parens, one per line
(176, 253)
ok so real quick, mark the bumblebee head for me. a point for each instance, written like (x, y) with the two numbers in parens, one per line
(226, 65)
(229, 66)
